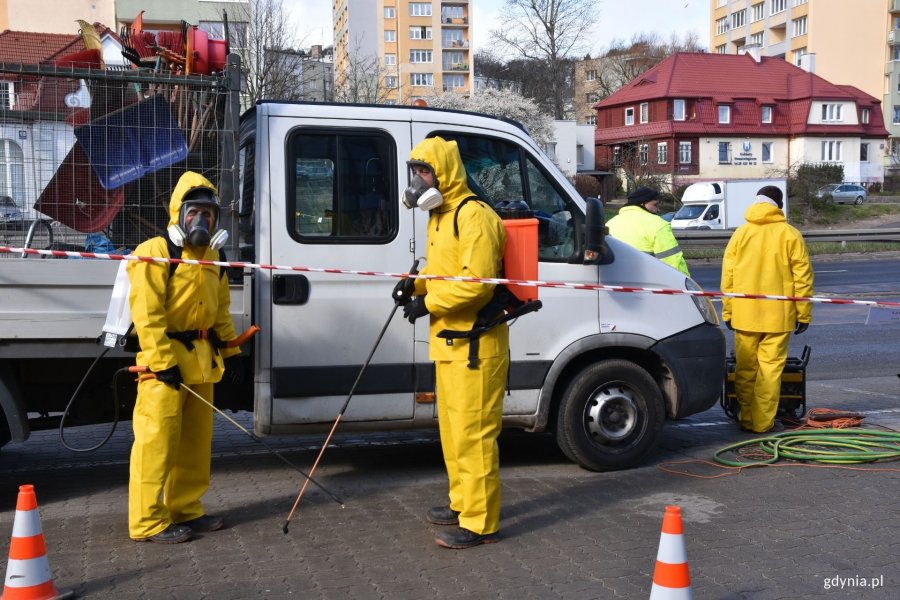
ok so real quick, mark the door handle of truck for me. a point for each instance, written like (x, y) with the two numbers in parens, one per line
(290, 289)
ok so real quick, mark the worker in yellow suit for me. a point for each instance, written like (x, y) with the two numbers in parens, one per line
(465, 238)
(764, 256)
(638, 225)
(179, 315)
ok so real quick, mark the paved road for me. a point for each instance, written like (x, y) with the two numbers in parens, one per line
(566, 532)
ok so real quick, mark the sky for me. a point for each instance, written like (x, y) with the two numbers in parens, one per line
(618, 20)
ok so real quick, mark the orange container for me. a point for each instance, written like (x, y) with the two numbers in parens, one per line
(520, 259)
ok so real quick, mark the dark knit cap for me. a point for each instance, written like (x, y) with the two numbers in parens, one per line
(641, 195)
(774, 193)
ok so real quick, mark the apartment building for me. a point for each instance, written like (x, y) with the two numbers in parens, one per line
(420, 48)
(854, 43)
(698, 116)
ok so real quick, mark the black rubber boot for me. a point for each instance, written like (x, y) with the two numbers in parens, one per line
(442, 515)
(205, 524)
(173, 534)
(460, 539)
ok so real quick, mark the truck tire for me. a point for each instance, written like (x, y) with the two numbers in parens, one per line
(610, 416)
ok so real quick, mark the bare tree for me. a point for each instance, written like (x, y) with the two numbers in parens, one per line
(623, 62)
(260, 33)
(638, 170)
(362, 79)
(549, 32)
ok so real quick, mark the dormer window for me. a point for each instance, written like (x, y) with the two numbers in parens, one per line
(864, 116)
(678, 110)
(724, 114)
(629, 115)
(832, 112)
(766, 114)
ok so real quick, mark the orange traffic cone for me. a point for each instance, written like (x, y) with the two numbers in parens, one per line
(28, 571)
(671, 580)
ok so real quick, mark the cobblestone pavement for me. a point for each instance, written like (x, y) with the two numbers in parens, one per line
(565, 533)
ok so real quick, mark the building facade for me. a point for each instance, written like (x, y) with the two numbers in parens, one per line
(855, 43)
(419, 48)
(697, 117)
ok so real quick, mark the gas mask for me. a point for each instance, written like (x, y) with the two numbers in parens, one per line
(420, 193)
(199, 231)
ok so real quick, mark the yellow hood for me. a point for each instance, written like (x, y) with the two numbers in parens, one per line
(189, 181)
(444, 159)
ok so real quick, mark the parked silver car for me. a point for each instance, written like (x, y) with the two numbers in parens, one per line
(842, 193)
(10, 215)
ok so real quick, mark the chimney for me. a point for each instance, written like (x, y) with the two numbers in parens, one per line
(808, 62)
(751, 49)
(315, 51)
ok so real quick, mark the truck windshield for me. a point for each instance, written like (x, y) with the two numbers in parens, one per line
(690, 211)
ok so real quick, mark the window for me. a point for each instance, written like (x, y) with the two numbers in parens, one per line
(721, 3)
(864, 153)
(7, 95)
(12, 171)
(645, 112)
(738, 19)
(864, 116)
(420, 56)
(390, 82)
(798, 54)
(452, 12)
(720, 49)
(342, 190)
(832, 112)
(799, 26)
(591, 97)
(420, 33)
(684, 153)
(722, 26)
(895, 53)
(453, 60)
(724, 114)
(831, 151)
(777, 6)
(757, 12)
(617, 156)
(799, 2)
(896, 119)
(678, 110)
(662, 151)
(420, 9)
(390, 12)
(499, 170)
(591, 74)
(590, 120)
(452, 83)
(579, 155)
(643, 153)
(724, 153)
(757, 38)
(766, 114)
(767, 152)
(629, 116)
(390, 35)
(452, 38)
(421, 79)
(550, 150)
(390, 59)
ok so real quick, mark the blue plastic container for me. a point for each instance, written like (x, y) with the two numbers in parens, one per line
(133, 141)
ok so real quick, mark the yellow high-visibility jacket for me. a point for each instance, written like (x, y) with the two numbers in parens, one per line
(766, 256)
(648, 233)
(478, 252)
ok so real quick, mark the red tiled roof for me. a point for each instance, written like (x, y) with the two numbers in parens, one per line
(744, 84)
(31, 48)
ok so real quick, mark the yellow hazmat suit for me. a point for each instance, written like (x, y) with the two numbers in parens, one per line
(170, 459)
(764, 256)
(648, 233)
(470, 401)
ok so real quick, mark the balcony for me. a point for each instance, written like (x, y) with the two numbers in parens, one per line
(457, 67)
(451, 21)
(455, 43)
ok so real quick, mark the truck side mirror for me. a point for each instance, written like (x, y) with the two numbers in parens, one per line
(594, 231)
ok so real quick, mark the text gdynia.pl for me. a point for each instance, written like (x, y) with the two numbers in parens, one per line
(853, 582)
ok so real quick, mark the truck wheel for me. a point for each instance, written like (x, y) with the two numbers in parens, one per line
(610, 417)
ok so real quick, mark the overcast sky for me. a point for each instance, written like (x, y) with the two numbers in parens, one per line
(618, 19)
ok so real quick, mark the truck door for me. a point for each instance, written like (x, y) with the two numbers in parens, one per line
(333, 203)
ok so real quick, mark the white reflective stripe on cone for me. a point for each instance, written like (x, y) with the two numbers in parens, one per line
(27, 523)
(658, 592)
(671, 549)
(26, 573)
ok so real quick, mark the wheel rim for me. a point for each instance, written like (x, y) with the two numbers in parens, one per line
(859, 200)
(611, 414)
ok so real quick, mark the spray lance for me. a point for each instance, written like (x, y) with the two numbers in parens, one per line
(402, 294)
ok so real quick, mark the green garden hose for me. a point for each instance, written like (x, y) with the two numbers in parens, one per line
(827, 446)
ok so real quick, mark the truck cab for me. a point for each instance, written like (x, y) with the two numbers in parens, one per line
(702, 207)
(602, 370)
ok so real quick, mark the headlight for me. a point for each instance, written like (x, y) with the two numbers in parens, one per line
(703, 303)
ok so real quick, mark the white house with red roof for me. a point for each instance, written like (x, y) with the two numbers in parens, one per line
(697, 116)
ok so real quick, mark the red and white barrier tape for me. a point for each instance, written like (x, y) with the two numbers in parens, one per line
(523, 282)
